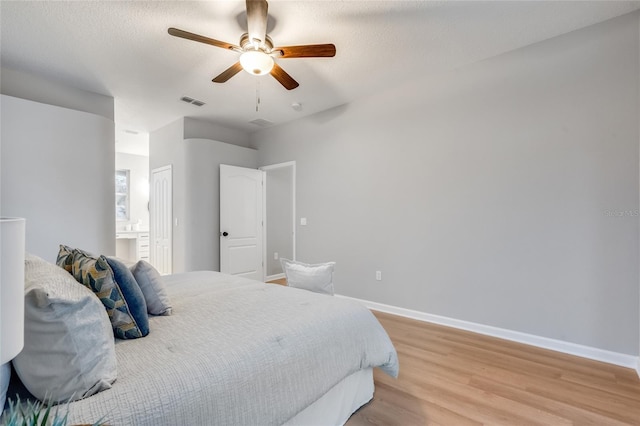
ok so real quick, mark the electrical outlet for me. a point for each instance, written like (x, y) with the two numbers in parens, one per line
(303, 221)
(275, 256)
(378, 275)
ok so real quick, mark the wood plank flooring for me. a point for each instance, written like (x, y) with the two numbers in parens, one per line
(454, 377)
(281, 281)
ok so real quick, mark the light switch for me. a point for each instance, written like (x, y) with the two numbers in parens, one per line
(303, 221)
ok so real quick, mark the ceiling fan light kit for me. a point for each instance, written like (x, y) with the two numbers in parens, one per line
(256, 48)
(256, 62)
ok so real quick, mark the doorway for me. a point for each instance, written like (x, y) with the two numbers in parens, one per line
(280, 217)
(131, 194)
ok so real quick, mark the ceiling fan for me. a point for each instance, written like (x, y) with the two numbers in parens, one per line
(256, 48)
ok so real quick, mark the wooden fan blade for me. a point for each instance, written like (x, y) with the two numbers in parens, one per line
(228, 73)
(285, 79)
(307, 51)
(257, 19)
(202, 39)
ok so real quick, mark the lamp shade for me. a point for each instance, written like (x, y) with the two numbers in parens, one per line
(12, 235)
(256, 62)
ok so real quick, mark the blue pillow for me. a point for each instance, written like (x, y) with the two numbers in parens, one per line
(132, 293)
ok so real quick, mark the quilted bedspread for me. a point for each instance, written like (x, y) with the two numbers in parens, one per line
(237, 352)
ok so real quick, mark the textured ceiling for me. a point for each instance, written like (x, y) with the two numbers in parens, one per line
(122, 49)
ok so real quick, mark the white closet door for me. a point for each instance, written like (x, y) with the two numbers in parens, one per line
(161, 218)
(241, 222)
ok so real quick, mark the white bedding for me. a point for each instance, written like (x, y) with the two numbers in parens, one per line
(237, 352)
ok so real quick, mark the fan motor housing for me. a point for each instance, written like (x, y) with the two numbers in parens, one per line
(246, 44)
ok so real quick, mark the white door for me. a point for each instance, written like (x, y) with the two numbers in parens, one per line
(241, 221)
(161, 218)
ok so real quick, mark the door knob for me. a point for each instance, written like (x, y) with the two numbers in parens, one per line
(225, 233)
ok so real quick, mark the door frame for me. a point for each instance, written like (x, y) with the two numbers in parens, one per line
(152, 236)
(291, 164)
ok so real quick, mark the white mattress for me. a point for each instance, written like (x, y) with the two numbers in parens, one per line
(239, 352)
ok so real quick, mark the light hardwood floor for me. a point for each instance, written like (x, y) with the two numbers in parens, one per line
(281, 281)
(454, 377)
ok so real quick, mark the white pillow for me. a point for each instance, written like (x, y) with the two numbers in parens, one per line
(153, 289)
(317, 278)
(69, 351)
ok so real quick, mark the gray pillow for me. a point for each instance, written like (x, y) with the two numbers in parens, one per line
(152, 286)
(317, 278)
(69, 350)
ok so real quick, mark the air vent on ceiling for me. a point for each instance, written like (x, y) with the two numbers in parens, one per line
(131, 132)
(191, 101)
(261, 122)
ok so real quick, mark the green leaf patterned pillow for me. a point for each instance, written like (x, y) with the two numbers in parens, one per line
(125, 305)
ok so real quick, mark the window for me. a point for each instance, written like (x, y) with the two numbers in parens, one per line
(122, 194)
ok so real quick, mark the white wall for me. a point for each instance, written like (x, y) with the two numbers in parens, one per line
(196, 186)
(495, 194)
(199, 129)
(166, 147)
(29, 86)
(138, 166)
(202, 191)
(279, 208)
(57, 172)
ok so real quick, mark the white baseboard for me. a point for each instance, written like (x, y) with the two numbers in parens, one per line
(275, 277)
(589, 352)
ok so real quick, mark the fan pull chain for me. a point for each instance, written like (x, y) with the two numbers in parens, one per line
(257, 94)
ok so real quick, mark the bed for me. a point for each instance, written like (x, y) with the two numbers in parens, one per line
(241, 352)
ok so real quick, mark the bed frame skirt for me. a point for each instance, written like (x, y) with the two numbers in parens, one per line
(336, 406)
